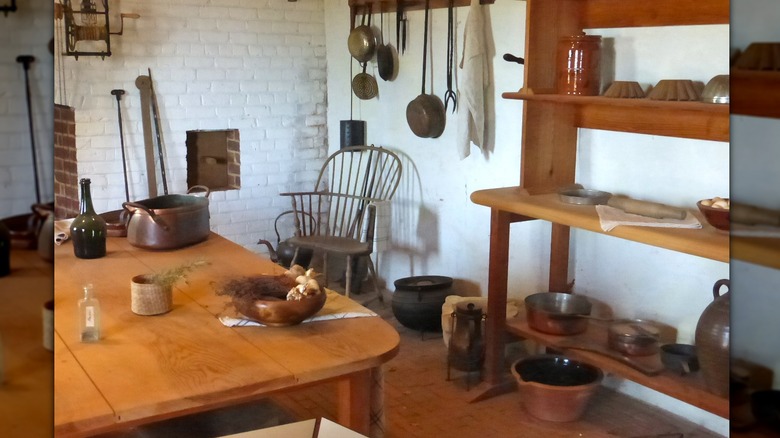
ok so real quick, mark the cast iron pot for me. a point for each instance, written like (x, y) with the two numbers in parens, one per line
(417, 301)
(169, 221)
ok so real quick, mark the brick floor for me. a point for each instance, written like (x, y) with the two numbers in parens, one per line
(420, 402)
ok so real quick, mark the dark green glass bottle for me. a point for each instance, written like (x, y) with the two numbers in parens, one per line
(88, 230)
(5, 250)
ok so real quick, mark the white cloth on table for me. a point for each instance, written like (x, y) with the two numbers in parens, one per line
(611, 217)
(336, 306)
(62, 230)
(472, 83)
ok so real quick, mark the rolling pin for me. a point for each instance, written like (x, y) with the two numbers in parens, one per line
(751, 215)
(645, 208)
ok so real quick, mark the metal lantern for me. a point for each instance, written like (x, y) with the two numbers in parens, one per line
(89, 25)
(8, 8)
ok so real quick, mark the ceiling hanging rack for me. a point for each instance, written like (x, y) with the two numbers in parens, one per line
(8, 8)
(90, 24)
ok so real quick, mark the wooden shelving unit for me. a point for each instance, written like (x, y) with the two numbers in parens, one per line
(550, 133)
(706, 242)
(703, 121)
(757, 250)
(689, 388)
(756, 93)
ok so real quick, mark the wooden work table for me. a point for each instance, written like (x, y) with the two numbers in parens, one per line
(149, 368)
(25, 394)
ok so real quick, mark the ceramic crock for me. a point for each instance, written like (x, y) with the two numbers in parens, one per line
(712, 340)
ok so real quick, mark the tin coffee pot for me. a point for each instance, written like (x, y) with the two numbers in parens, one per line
(467, 347)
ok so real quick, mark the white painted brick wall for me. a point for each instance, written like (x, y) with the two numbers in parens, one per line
(25, 32)
(252, 65)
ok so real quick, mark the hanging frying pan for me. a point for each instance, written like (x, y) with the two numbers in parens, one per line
(385, 55)
(426, 114)
(362, 41)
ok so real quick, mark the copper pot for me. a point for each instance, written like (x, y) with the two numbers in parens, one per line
(169, 221)
(557, 313)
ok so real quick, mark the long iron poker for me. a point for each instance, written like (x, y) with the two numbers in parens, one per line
(156, 115)
(118, 94)
(26, 60)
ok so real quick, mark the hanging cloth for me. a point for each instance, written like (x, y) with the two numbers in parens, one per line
(472, 83)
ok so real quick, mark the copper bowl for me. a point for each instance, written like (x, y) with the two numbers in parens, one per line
(268, 304)
(717, 217)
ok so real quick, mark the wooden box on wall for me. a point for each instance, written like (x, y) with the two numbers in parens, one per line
(213, 159)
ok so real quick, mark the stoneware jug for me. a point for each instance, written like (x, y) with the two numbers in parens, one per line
(712, 340)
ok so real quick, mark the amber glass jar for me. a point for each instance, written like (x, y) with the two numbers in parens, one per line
(578, 59)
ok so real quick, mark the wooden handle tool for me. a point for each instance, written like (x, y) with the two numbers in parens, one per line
(645, 208)
(752, 215)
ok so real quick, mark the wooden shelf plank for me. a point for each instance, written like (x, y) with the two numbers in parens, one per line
(757, 250)
(689, 388)
(694, 120)
(622, 13)
(755, 93)
(706, 242)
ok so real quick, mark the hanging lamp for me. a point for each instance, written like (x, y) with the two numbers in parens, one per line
(8, 8)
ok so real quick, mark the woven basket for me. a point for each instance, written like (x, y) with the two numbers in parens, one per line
(147, 298)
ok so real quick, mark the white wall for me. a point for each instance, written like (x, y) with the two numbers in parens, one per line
(25, 32)
(251, 65)
(755, 180)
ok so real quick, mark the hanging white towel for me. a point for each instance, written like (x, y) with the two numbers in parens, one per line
(472, 83)
(381, 225)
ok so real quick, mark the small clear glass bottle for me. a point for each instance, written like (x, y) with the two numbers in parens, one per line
(89, 316)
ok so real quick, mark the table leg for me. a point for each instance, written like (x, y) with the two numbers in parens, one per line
(361, 402)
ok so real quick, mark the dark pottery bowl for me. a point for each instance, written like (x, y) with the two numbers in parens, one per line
(263, 299)
(766, 407)
(717, 217)
(680, 358)
(555, 388)
(279, 312)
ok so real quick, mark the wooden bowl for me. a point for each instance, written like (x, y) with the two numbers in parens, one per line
(676, 89)
(625, 90)
(265, 300)
(717, 217)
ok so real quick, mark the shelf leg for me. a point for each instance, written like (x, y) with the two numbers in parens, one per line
(559, 259)
(495, 322)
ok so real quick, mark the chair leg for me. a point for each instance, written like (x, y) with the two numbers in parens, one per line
(349, 276)
(372, 272)
(325, 269)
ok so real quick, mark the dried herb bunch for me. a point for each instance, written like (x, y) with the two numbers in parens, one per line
(292, 285)
(171, 276)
